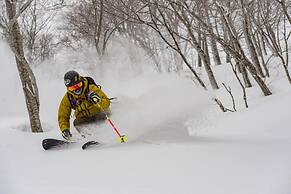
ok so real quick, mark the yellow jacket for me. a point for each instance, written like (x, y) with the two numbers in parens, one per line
(82, 106)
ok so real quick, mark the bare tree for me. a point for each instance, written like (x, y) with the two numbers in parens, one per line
(247, 34)
(237, 52)
(174, 46)
(213, 43)
(281, 49)
(240, 55)
(233, 36)
(85, 22)
(26, 75)
(240, 83)
(45, 46)
(94, 22)
(35, 24)
(285, 8)
(274, 30)
(205, 58)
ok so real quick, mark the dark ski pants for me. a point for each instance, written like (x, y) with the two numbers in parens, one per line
(82, 121)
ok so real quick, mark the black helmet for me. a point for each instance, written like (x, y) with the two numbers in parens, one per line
(73, 82)
(71, 78)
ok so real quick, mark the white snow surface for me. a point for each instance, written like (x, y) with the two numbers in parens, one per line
(179, 142)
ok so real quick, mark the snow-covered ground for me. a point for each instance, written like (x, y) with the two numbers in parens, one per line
(178, 140)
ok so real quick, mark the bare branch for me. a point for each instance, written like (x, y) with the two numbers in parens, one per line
(230, 93)
(16, 16)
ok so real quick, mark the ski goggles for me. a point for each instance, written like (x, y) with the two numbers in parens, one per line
(75, 87)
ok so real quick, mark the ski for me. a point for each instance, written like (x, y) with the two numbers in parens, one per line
(51, 143)
(89, 144)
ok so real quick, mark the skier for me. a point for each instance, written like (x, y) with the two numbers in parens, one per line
(87, 100)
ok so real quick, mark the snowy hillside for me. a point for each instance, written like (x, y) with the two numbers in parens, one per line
(179, 142)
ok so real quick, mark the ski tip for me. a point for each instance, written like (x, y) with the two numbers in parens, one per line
(45, 144)
(89, 143)
(50, 143)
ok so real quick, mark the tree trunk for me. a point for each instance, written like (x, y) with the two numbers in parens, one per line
(245, 75)
(204, 54)
(176, 46)
(285, 9)
(248, 38)
(98, 27)
(213, 44)
(260, 53)
(238, 53)
(200, 44)
(252, 51)
(225, 36)
(205, 49)
(26, 75)
(287, 73)
(215, 52)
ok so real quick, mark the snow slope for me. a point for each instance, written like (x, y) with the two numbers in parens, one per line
(179, 142)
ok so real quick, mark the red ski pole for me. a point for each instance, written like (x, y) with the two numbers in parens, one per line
(122, 138)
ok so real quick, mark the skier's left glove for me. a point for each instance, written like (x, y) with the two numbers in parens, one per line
(66, 134)
(93, 97)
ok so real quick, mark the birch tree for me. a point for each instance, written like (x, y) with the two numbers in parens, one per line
(236, 52)
(204, 57)
(27, 77)
(247, 34)
(213, 43)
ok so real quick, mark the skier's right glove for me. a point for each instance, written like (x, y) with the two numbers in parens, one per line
(66, 134)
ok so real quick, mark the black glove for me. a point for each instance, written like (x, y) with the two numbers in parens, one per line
(66, 134)
(93, 97)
